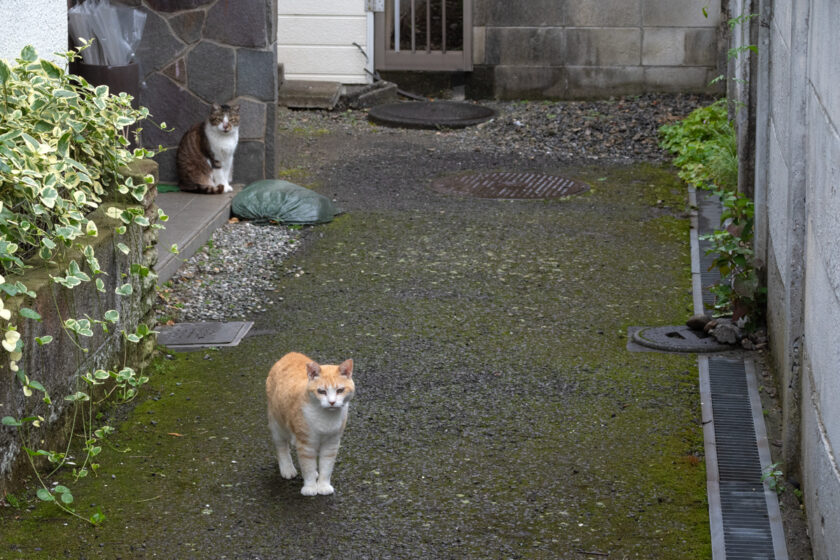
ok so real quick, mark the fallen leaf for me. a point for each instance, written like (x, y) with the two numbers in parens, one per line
(176, 434)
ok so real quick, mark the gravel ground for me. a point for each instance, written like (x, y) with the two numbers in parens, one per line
(232, 277)
(235, 275)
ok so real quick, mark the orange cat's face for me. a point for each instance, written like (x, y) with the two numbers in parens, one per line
(331, 386)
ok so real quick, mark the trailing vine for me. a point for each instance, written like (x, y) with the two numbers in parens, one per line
(706, 156)
(63, 148)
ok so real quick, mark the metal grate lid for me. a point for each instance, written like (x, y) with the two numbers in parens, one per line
(746, 524)
(509, 185)
(188, 336)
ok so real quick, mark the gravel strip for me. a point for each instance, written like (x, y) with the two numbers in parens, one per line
(617, 130)
(231, 278)
(234, 276)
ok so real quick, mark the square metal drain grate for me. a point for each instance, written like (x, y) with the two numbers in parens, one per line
(192, 336)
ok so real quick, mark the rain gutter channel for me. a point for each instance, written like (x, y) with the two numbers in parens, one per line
(744, 513)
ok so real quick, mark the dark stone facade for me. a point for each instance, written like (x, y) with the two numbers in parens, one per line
(198, 52)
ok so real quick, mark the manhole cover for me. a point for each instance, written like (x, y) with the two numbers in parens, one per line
(678, 339)
(509, 185)
(186, 336)
(430, 114)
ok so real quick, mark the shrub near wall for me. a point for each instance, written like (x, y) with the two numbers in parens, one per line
(75, 280)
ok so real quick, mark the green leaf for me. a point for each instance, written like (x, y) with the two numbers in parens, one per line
(67, 498)
(112, 315)
(5, 72)
(44, 340)
(97, 518)
(51, 69)
(100, 285)
(30, 142)
(9, 421)
(123, 248)
(44, 495)
(64, 93)
(60, 489)
(37, 386)
(28, 54)
(29, 314)
(124, 290)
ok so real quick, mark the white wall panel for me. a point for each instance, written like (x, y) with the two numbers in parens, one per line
(42, 24)
(321, 7)
(300, 30)
(315, 40)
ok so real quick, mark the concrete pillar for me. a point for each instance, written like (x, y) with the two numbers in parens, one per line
(796, 244)
(762, 132)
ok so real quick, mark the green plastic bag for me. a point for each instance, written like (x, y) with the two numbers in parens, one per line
(284, 202)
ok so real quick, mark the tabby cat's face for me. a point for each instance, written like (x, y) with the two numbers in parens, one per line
(225, 118)
(331, 386)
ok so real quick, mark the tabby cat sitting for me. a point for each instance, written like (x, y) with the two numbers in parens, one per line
(307, 407)
(205, 154)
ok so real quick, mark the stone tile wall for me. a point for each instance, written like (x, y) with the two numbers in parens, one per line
(597, 48)
(198, 52)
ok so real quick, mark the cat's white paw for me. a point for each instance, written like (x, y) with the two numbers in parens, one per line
(310, 490)
(325, 488)
(227, 188)
(288, 471)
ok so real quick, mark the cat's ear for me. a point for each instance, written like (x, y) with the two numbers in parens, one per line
(216, 107)
(313, 370)
(234, 109)
(346, 368)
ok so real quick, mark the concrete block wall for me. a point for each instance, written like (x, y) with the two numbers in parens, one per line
(59, 364)
(198, 52)
(797, 168)
(569, 49)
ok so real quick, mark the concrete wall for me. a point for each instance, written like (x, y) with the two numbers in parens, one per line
(42, 24)
(59, 364)
(797, 165)
(598, 48)
(315, 40)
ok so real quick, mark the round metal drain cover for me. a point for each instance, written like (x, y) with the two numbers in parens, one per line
(678, 339)
(509, 185)
(430, 114)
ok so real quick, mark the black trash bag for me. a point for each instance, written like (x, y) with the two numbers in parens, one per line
(284, 202)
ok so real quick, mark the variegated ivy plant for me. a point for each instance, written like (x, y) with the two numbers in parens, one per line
(62, 144)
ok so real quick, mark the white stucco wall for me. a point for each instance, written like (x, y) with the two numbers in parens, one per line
(315, 40)
(40, 23)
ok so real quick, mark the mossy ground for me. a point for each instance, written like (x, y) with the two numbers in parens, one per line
(498, 414)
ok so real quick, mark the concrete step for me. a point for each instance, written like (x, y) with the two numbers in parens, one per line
(306, 94)
(192, 220)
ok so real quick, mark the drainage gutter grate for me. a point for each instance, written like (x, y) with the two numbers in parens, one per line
(743, 512)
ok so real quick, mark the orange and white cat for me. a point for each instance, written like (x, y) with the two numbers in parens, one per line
(307, 407)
